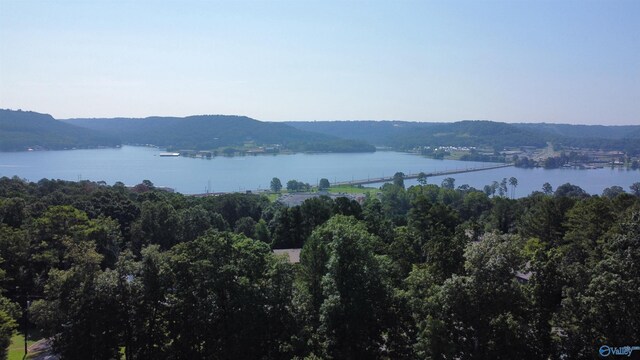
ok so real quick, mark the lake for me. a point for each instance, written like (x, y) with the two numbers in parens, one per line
(131, 165)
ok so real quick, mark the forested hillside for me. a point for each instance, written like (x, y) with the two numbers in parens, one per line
(427, 272)
(622, 138)
(21, 130)
(405, 135)
(467, 133)
(206, 132)
(373, 132)
(585, 131)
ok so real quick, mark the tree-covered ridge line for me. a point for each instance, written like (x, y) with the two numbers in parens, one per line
(612, 132)
(426, 272)
(22, 130)
(480, 133)
(207, 132)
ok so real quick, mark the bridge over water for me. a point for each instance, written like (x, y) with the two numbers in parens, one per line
(415, 176)
(387, 178)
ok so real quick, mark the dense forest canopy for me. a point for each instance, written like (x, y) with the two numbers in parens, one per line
(430, 272)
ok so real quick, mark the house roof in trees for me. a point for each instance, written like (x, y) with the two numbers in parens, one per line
(292, 254)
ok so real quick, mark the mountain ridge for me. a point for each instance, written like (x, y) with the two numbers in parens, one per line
(23, 130)
(20, 130)
(407, 134)
(201, 132)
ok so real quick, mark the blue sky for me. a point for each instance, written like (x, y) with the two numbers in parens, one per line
(513, 61)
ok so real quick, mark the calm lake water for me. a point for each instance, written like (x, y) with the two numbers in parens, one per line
(131, 165)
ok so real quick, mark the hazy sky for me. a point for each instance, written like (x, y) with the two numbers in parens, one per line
(514, 61)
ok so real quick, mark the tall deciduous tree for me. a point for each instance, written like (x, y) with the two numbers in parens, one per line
(448, 183)
(514, 183)
(159, 224)
(13, 211)
(398, 179)
(355, 298)
(479, 315)
(324, 184)
(79, 310)
(502, 190)
(599, 311)
(9, 312)
(276, 185)
(433, 227)
(194, 221)
(148, 304)
(218, 311)
(395, 203)
(246, 226)
(613, 191)
(422, 178)
(543, 220)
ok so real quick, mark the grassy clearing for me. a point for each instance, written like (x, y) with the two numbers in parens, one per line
(346, 189)
(16, 349)
(456, 155)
